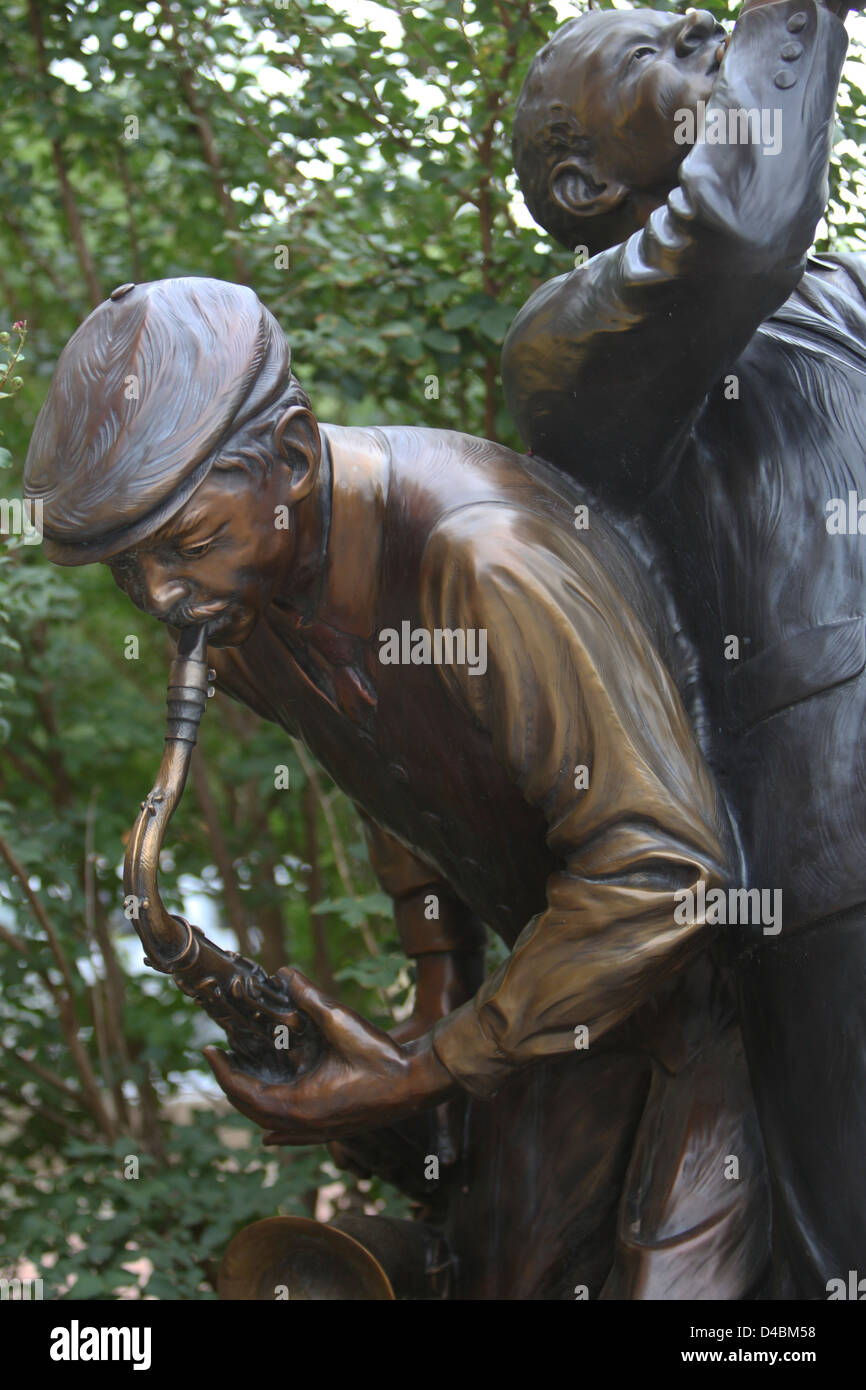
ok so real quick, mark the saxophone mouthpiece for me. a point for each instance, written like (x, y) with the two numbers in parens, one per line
(188, 685)
(192, 642)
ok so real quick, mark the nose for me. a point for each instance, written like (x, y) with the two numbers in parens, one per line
(163, 592)
(697, 27)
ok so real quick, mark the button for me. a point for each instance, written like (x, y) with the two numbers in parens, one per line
(784, 78)
(122, 290)
(796, 22)
(791, 52)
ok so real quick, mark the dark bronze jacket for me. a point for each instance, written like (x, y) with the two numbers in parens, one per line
(706, 374)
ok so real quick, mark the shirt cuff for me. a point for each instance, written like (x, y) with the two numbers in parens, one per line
(470, 1054)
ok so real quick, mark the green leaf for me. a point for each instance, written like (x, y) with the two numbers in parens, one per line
(375, 971)
(441, 342)
(354, 910)
(89, 1286)
(495, 322)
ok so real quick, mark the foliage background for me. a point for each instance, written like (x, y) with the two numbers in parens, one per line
(351, 163)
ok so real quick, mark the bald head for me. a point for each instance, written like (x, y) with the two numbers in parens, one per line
(593, 137)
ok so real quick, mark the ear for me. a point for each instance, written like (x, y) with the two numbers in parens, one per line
(575, 189)
(298, 443)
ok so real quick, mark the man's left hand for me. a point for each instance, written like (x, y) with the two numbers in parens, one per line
(363, 1079)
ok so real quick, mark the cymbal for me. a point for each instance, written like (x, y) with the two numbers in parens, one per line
(294, 1258)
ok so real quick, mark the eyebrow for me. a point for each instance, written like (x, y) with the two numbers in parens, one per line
(178, 530)
(210, 536)
(633, 40)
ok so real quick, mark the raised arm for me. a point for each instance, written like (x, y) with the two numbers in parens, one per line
(604, 368)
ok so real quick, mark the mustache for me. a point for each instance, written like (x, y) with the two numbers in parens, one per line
(189, 614)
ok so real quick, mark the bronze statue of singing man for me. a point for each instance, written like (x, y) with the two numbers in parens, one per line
(707, 371)
(494, 673)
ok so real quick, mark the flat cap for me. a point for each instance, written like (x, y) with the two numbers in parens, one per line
(145, 395)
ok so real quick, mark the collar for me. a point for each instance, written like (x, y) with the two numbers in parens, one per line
(331, 641)
(360, 481)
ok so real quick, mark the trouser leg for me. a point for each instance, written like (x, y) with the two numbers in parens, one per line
(804, 1023)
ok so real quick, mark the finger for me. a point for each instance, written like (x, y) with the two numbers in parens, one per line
(341, 1027)
(246, 1093)
(330, 1017)
(300, 987)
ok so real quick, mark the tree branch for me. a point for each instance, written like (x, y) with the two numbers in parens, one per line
(65, 1003)
(70, 205)
(206, 139)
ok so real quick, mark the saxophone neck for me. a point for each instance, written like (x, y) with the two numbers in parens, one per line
(162, 935)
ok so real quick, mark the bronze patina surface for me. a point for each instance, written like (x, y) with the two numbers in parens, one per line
(708, 373)
(546, 778)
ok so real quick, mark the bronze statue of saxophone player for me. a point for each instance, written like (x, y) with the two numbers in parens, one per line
(552, 786)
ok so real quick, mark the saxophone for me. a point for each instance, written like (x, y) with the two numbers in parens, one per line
(247, 1004)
